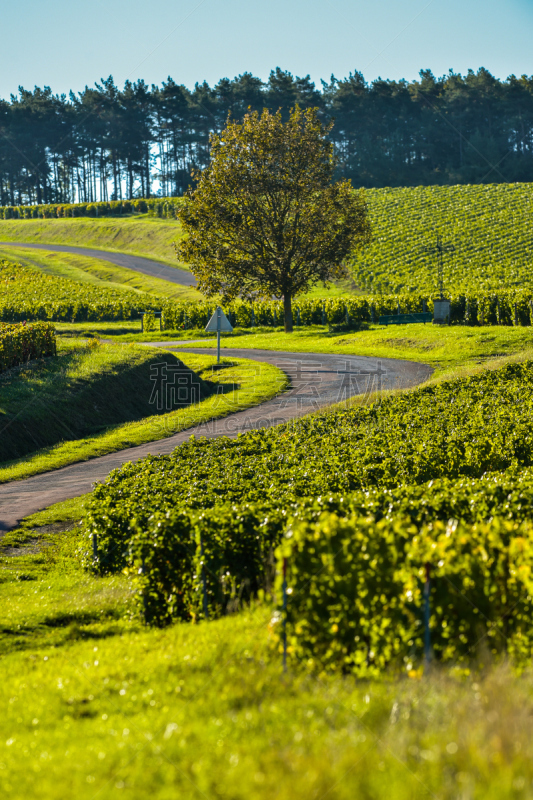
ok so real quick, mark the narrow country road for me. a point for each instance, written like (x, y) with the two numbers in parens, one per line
(317, 380)
(136, 263)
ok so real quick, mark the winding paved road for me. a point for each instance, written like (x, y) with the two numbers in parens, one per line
(317, 380)
(136, 263)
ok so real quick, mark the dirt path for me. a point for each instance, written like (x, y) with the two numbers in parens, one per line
(317, 380)
(136, 263)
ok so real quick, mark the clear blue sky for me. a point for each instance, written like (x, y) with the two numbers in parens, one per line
(67, 44)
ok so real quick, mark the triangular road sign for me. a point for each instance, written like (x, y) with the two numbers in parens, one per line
(219, 322)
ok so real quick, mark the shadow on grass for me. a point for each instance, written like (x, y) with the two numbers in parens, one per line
(46, 405)
(192, 334)
(93, 333)
(63, 628)
(78, 619)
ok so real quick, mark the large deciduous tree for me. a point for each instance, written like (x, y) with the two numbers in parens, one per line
(267, 217)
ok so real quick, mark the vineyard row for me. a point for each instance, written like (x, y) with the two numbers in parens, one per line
(357, 503)
(164, 207)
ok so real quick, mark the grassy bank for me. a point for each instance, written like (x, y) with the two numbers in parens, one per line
(85, 269)
(96, 705)
(138, 235)
(82, 392)
(96, 400)
(449, 350)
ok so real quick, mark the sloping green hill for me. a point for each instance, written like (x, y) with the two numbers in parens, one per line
(138, 235)
(490, 228)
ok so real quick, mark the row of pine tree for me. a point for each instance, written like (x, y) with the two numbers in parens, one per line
(108, 143)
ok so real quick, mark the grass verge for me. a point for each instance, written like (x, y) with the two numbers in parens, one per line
(444, 348)
(97, 705)
(138, 235)
(447, 349)
(240, 384)
(41, 527)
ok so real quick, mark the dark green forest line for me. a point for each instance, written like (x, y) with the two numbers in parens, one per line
(107, 143)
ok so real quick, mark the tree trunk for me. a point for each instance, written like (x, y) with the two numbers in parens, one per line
(115, 176)
(287, 310)
(147, 173)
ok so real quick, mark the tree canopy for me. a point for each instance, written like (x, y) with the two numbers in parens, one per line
(267, 217)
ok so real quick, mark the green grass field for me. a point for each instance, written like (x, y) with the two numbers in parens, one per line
(96, 705)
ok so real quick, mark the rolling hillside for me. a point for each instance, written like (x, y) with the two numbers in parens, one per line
(485, 228)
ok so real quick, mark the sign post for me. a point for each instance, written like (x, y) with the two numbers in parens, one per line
(221, 324)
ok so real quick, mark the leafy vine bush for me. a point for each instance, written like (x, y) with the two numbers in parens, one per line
(513, 307)
(355, 591)
(149, 322)
(164, 207)
(458, 429)
(230, 546)
(28, 294)
(191, 565)
(21, 343)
